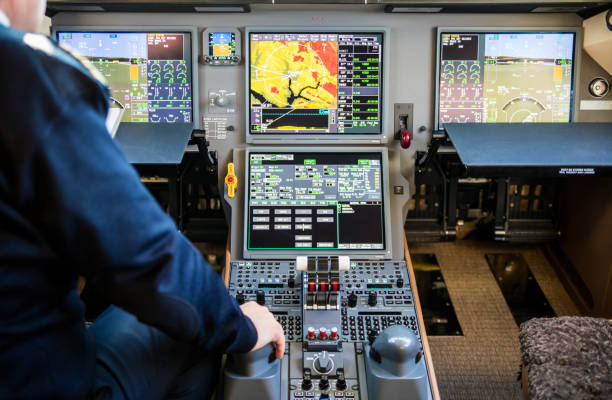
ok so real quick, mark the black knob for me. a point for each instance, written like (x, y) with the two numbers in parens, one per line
(306, 384)
(341, 384)
(352, 300)
(324, 383)
(323, 363)
(372, 299)
(261, 297)
(400, 282)
(240, 298)
(291, 282)
(372, 334)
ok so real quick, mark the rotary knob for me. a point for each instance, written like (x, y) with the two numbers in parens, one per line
(352, 300)
(599, 87)
(261, 297)
(307, 383)
(372, 299)
(323, 363)
(222, 101)
(324, 383)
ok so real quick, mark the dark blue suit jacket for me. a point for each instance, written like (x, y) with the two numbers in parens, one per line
(71, 205)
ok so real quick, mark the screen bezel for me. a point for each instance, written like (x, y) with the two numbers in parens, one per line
(275, 138)
(193, 54)
(492, 30)
(384, 253)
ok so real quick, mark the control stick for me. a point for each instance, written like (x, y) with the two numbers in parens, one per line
(257, 371)
(395, 366)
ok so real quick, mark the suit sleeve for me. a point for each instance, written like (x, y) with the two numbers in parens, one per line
(94, 211)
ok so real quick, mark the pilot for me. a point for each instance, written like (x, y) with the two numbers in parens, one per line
(71, 205)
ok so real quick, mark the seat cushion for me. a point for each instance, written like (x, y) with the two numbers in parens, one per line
(568, 357)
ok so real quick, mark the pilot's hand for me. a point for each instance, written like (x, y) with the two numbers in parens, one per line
(268, 329)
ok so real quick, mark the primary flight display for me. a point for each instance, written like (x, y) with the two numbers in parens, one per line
(149, 73)
(505, 77)
(315, 82)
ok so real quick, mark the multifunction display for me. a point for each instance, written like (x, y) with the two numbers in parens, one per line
(315, 201)
(505, 77)
(315, 83)
(149, 73)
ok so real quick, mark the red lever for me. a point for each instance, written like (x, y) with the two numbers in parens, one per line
(405, 140)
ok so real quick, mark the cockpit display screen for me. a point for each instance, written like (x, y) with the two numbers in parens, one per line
(315, 201)
(315, 83)
(149, 73)
(505, 77)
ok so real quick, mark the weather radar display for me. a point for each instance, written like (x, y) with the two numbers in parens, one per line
(505, 77)
(315, 83)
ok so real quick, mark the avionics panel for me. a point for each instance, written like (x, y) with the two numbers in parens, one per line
(515, 75)
(310, 84)
(316, 201)
(149, 71)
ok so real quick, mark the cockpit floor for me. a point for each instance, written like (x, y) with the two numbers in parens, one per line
(484, 362)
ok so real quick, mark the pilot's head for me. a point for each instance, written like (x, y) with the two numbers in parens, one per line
(25, 15)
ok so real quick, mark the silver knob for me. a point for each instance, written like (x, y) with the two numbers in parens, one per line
(222, 101)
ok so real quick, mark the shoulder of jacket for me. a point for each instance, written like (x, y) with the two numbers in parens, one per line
(43, 46)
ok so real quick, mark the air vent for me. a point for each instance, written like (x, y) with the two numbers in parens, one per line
(560, 9)
(75, 7)
(402, 9)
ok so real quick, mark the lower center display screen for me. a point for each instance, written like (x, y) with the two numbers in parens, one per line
(323, 201)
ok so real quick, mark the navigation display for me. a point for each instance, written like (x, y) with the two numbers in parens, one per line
(323, 201)
(315, 83)
(505, 77)
(148, 73)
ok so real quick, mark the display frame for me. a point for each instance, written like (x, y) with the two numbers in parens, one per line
(577, 31)
(384, 253)
(194, 51)
(330, 138)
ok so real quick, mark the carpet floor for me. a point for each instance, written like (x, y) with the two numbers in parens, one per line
(484, 362)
